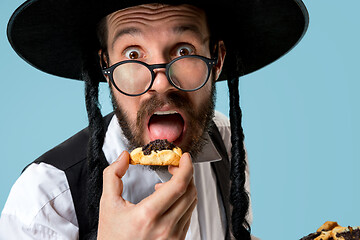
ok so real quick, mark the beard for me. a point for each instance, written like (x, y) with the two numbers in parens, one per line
(198, 121)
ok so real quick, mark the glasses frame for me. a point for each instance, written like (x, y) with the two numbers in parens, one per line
(210, 62)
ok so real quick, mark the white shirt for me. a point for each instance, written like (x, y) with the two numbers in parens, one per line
(40, 205)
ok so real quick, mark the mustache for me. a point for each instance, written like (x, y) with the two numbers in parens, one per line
(176, 99)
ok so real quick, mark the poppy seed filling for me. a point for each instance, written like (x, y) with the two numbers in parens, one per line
(157, 145)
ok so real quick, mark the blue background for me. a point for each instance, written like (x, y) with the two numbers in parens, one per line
(301, 118)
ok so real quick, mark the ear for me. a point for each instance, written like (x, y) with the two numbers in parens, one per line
(103, 58)
(103, 61)
(221, 58)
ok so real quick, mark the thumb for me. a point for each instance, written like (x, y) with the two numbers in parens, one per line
(112, 183)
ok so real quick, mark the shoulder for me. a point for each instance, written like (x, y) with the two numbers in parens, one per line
(68, 153)
(38, 184)
(41, 193)
(71, 151)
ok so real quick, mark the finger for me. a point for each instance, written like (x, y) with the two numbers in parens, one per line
(184, 223)
(162, 199)
(182, 205)
(185, 230)
(184, 158)
(112, 183)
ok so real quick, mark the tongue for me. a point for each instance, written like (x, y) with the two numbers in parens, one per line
(167, 127)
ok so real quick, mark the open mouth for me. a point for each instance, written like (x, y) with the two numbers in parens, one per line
(168, 125)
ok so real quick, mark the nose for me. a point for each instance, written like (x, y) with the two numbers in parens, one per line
(161, 83)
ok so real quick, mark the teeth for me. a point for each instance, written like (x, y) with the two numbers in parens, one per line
(165, 112)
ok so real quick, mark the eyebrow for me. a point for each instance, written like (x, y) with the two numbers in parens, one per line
(190, 27)
(122, 32)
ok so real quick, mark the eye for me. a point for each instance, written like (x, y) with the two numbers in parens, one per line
(184, 50)
(132, 53)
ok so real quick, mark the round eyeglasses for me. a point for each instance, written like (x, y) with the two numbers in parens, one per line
(187, 73)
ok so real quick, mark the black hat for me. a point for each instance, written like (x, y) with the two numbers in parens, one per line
(54, 35)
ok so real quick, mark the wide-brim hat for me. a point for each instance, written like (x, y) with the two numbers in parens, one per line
(54, 35)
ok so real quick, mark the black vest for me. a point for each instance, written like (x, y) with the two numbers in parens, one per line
(71, 157)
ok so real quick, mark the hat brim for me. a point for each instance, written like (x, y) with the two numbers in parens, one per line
(52, 35)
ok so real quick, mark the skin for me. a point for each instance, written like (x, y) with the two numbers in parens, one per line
(154, 34)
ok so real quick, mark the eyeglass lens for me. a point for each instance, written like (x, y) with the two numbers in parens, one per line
(185, 73)
(188, 73)
(132, 78)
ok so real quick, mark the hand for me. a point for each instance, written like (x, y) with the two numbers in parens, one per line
(165, 214)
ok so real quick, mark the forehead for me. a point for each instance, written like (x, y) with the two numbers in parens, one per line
(156, 17)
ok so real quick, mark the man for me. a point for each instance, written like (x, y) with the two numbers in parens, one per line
(161, 61)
